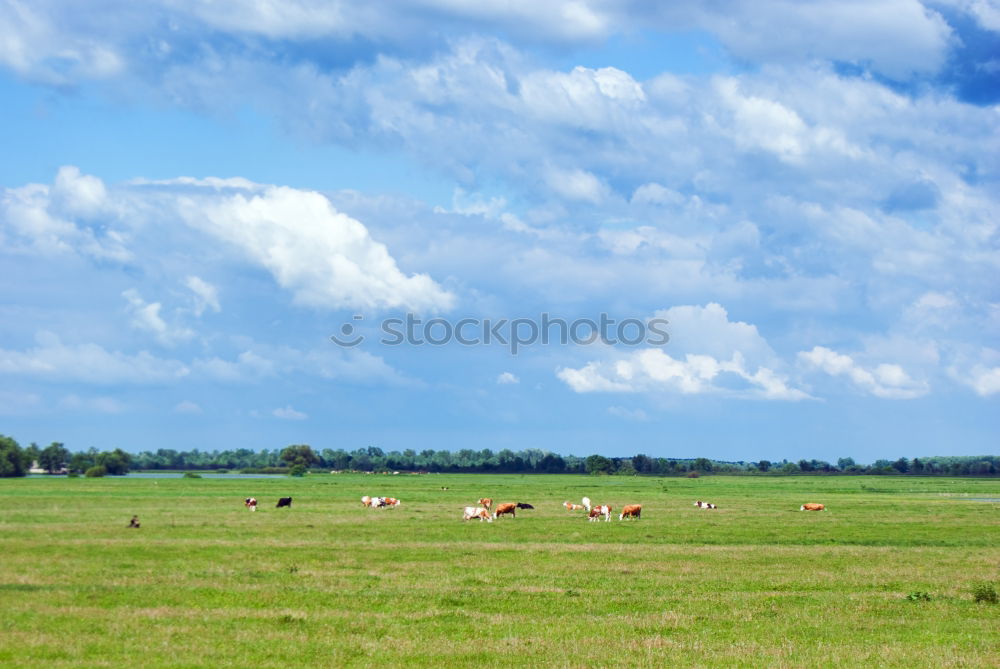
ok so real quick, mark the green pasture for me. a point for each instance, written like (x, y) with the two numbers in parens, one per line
(756, 583)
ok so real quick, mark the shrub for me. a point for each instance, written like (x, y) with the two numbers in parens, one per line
(97, 471)
(984, 592)
(298, 470)
(191, 475)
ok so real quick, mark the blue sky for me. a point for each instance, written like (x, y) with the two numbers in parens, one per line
(194, 197)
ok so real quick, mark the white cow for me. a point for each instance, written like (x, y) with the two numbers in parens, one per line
(477, 512)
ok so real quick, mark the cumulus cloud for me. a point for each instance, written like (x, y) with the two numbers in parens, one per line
(719, 357)
(324, 257)
(51, 359)
(507, 378)
(146, 317)
(206, 296)
(885, 380)
(288, 413)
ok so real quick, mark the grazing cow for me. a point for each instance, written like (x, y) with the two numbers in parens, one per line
(284, 501)
(631, 511)
(506, 507)
(522, 505)
(572, 507)
(389, 501)
(250, 503)
(134, 522)
(366, 501)
(598, 511)
(809, 506)
(705, 505)
(586, 503)
(477, 512)
(486, 502)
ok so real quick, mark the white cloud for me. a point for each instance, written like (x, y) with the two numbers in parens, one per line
(628, 414)
(288, 413)
(507, 378)
(206, 296)
(577, 185)
(188, 407)
(146, 317)
(324, 257)
(719, 357)
(88, 363)
(885, 380)
(107, 405)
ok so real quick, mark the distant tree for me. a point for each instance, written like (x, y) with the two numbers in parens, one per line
(844, 464)
(790, 468)
(805, 465)
(12, 458)
(701, 465)
(298, 470)
(643, 463)
(53, 457)
(116, 462)
(299, 454)
(764, 465)
(626, 468)
(598, 464)
(97, 471)
(902, 465)
(31, 453)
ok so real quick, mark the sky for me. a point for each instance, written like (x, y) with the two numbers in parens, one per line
(214, 215)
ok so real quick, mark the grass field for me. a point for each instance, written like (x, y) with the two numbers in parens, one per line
(205, 583)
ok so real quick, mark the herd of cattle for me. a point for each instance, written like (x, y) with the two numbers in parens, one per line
(485, 510)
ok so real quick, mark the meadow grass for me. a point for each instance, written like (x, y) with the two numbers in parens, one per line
(206, 583)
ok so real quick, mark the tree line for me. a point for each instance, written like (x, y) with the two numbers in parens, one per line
(299, 458)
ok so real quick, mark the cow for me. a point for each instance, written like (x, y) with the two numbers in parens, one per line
(586, 503)
(631, 511)
(598, 511)
(366, 501)
(134, 523)
(250, 503)
(389, 501)
(284, 501)
(486, 502)
(810, 506)
(506, 507)
(572, 507)
(523, 505)
(705, 505)
(477, 512)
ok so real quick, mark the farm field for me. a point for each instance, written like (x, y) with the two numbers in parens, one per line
(205, 583)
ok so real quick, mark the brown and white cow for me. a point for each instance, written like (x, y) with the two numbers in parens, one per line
(477, 512)
(705, 505)
(572, 507)
(366, 501)
(630, 511)
(598, 511)
(810, 506)
(486, 502)
(250, 503)
(506, 507)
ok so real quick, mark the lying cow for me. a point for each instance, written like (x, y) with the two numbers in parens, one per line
(523, 505)
(477, 512)
(598, 511)
(572, 507)
(631, 511)
(379, 502)
(809, 506)
(705, 505)
(486, 502)
(250, 503)
(506, 507)
(284, 501)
